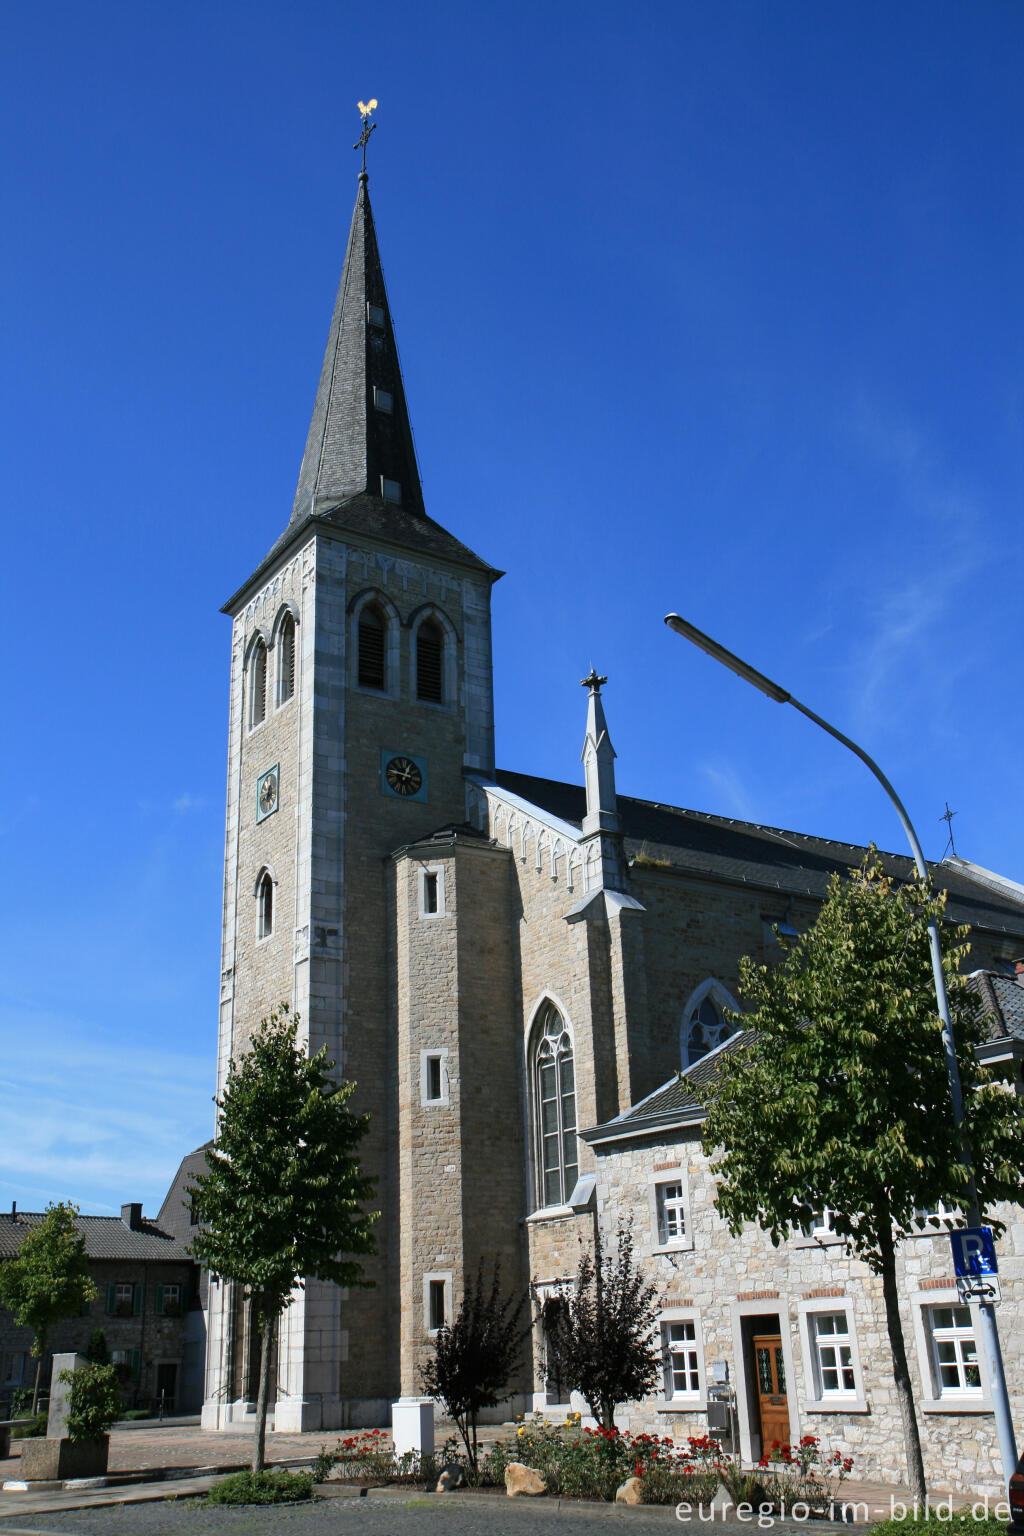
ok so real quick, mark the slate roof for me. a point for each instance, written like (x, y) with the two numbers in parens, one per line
(1002, 1000)
(793, 863)
(106, 1237)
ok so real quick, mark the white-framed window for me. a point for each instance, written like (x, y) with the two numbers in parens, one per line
(285, 650)
(832, 1354)
(258, 684)
(265, 905)
(669, 1203)
(434, 1077)
(121, 1300)
(937, 1220)
(956, 1370)
(169, 1300)
(682, 1357)
(431, 890)
(553, 1102)
(437, 1300)
(821, 1226)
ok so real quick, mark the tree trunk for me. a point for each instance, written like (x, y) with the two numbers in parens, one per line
(35, 1389)
(900, 1368)
(267, 1331)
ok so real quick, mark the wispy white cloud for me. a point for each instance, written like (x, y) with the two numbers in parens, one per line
(188, 802)
(733, 798)
(93, 1119)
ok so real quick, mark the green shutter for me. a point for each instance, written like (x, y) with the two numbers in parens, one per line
(136, 1300)
(111, 1299)
(136, 1364)
(159, 1305)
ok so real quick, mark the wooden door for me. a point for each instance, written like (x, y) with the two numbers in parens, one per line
(771, 1390)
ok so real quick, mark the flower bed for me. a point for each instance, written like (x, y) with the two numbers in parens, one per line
(369, 1457)
(594, 1463)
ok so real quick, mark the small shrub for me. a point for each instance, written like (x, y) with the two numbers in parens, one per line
(96, 1351)
(131, 1414)
(323, 1462)
(960, 1522)
(31, 1429)
(94, 1403)
(250, 1487)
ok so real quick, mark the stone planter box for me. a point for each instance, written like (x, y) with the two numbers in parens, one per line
(45, 1460)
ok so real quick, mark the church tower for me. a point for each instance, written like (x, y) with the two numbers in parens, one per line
(361, 694)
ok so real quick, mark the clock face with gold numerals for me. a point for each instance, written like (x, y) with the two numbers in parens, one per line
(403, 776)
(267, 792)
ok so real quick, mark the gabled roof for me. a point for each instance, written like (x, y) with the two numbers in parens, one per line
(676, 1103)
(793, 863)
(106, 1237)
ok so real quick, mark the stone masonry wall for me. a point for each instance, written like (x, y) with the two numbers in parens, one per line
(719, 1280)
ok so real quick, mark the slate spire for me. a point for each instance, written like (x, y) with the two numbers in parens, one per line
(360, 441)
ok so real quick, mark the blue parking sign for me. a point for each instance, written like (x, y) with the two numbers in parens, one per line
(974, 1252)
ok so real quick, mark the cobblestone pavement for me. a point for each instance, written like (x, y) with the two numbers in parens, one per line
(389, 1515)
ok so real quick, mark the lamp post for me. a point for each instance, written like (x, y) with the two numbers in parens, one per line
(989, 1330)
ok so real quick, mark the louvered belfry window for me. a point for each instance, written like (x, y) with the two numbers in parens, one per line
(372, 637)
(286, 660)
(429, 659)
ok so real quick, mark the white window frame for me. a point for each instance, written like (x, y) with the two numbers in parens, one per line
(686, 1401)
(121, 1301)
(424, 871)
(426, 1056)
(821, 1233)
(934, 1398)
(844, 1400)
(938, 1222)
(437, 1276)
(660, 1182)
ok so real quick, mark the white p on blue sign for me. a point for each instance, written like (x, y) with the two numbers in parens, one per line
(974, 1252)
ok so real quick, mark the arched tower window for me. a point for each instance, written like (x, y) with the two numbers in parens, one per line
(430, 662)
(265, 905)
(554, 1108)
(372, 648)
(707, 1022)
(286, 659)
(258, 684)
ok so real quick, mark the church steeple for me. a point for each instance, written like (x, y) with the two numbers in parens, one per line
(601, 822)
(360, 441)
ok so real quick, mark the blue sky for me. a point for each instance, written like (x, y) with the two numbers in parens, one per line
(704, 306)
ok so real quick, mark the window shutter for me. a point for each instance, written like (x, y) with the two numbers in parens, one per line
(429, 656)
(135, 1369)
(111, 1299)
(159, 1307)
(136, 1300)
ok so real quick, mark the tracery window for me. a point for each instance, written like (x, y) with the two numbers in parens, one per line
(707, 1022)
(258, 684)
(372, 648)
(286, 659)
(554, 1107)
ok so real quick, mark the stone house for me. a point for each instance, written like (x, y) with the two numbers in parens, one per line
(801, 1328)
(496, 960)
(147, 1290)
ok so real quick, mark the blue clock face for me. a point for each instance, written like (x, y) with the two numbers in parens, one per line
(267, 793)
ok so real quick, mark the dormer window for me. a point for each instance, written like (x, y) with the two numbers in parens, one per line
(383, 400)
(391, 491)
(375, 315)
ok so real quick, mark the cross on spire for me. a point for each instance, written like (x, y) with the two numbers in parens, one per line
(948, 819)
(365, 108)
(592, 681)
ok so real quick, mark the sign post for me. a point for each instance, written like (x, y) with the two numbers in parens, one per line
(975, 1266)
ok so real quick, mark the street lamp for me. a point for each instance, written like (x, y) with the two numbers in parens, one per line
(989, 1330)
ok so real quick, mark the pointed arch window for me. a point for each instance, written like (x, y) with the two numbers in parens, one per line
(554, 1108)
(430, 662)
(265, 905)
(372, 640)
(258, 685)
(707, 1022)
(286, 659)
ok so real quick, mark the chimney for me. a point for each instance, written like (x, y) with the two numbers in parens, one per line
(131, 1215)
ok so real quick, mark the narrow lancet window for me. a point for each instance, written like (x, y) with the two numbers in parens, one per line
(554, 1104)
(286, 660)
(372, 649)
(430, 662)
(265, 902)
(258, 685)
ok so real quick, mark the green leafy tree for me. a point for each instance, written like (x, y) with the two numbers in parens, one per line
(94, 1402)
(476, 1355)
(48, 1279)
(283, 1199)
(96, 1351)
(841, 1099)
(601, 1343)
